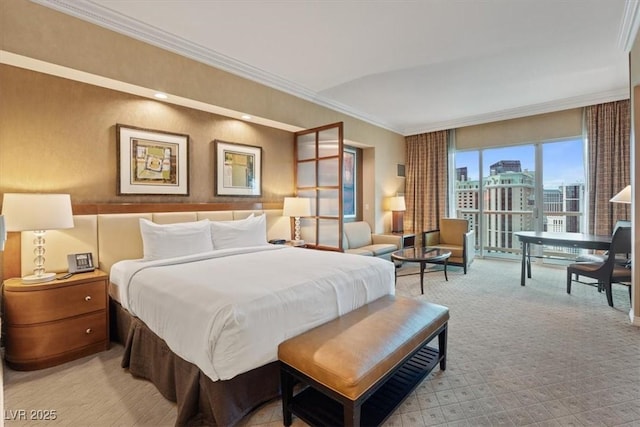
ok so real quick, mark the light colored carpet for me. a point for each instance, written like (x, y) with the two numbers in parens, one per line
(528, 355)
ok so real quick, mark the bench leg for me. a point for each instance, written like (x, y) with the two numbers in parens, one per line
(286, 383)
(442, 348)
(351, 414)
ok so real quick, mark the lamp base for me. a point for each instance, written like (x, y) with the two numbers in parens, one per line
(397, 221)
(298, 242)
(45, 277)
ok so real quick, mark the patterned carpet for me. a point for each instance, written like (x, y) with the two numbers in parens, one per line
(528, 355)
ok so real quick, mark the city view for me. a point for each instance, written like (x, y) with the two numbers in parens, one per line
(505, 201)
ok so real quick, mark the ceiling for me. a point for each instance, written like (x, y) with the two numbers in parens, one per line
(408, 66)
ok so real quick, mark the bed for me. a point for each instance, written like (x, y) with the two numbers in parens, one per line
(216, 391)
(203, 323)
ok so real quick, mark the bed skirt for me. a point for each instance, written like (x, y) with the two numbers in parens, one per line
(200, 400)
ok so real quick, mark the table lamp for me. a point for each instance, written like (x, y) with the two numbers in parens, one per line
(397, 207)
(37, 213)
(296, 207)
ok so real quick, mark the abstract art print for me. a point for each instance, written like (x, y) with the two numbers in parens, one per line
(152, 162)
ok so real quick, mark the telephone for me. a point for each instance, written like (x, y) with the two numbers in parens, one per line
(277, 241)
(80, 263)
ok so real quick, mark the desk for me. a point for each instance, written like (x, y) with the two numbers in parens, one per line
(571, 240)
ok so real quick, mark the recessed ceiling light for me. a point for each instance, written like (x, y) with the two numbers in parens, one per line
(161, 95)
(246, 117)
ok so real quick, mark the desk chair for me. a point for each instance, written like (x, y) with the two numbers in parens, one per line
(603, 257)
(608, 271)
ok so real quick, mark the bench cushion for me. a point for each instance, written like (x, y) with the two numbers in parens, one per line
(351, 353)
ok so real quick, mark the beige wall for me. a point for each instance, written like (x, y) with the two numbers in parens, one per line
(43, 34)
(58, 135)
(634, 66)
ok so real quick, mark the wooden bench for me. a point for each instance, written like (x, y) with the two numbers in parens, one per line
(361, 366)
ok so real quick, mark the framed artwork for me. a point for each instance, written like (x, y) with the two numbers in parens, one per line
(152, 162)
(238, 169)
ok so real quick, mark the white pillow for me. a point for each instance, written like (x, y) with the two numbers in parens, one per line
(251, 231)
(160, 241)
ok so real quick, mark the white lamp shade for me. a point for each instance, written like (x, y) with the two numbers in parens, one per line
(623, 196)
(29, 212)
(397, 203)
(296, 206)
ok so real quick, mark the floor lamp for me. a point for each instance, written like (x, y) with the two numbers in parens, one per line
(37, 213)
(624, 196)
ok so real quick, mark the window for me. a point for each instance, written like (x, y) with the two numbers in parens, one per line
(534, 187)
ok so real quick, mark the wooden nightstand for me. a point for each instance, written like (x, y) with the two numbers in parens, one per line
(55, 322)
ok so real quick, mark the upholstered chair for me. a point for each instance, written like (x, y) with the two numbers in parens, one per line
(454, 235)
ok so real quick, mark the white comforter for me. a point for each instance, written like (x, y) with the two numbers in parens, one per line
(226, 311)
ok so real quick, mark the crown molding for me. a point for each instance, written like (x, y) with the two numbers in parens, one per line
(629, 25)
(524, 111)
(106, 18)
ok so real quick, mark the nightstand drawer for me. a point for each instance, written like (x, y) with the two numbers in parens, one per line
(55, 338)
(24, 308)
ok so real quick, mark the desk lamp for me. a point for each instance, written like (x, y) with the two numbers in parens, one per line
(37, 213)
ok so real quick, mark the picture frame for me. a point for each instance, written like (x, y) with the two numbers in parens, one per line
(152, 161)
(238, 169)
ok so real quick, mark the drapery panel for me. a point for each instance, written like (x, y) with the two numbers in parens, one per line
(426, 180)
(608, 129)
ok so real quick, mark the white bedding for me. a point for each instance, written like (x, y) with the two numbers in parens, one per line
(227, 310)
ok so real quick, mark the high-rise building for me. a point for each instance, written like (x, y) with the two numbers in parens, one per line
(505, 166)
(462, 174)
(573, 195)
(508, 201)
(553, 208)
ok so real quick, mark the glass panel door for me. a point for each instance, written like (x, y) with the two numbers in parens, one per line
(319, 166)
(467, 190)
(563, 191)
(509, 202)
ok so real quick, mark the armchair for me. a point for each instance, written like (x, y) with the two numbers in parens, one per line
(610, 270)
(454, 235)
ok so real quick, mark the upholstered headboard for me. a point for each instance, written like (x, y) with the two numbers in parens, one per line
(111, 237)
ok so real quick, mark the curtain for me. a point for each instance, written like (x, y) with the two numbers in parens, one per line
(608, 129)
(426, 180)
